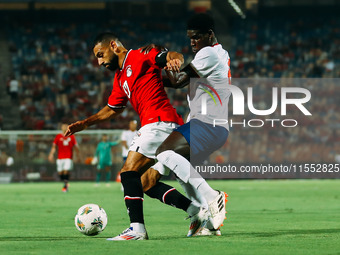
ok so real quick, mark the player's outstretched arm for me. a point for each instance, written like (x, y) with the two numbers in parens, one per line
(181, 79)
(115, 143)
(174, 60)
(51, 155)
(104, 114)
(176, 80)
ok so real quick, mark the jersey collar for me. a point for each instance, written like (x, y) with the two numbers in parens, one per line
(125, 60)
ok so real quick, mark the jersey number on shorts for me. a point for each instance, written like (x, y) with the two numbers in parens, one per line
(126, 89)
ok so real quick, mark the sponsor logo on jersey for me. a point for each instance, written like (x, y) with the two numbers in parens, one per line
(209, 93)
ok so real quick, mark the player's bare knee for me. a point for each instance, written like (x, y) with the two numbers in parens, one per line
(149, 179)
(147, 184)
(129, 165)
(127, 168)
(123, 170)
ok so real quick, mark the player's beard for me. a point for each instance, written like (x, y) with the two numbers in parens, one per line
(113, 64)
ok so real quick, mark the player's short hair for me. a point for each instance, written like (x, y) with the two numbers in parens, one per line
(202, 22)
(105, 37)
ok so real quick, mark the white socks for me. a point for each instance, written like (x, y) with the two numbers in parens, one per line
(193, 209)
(176, 163)
(138, 227)
(209, 193)
(193, 194)
(182, 168)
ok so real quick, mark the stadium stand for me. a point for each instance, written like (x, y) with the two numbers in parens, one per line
(60, 81)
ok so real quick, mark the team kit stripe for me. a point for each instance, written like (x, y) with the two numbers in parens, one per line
(166, 193)
(127, 237)
(123, 65)
(133, 198)
(220, 204)
(116, 106)
(229, 72)
(193, 225)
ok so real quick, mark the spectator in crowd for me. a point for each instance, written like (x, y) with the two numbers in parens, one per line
(13, 88)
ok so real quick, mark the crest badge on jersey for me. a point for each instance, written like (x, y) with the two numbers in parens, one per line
(66, 141)
(128, 71)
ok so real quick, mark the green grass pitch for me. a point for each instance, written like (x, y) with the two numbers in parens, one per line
(264, 217)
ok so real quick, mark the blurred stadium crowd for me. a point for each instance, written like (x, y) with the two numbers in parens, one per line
(56, 78)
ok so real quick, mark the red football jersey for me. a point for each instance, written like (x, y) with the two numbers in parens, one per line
(140, 81)
(65, 145)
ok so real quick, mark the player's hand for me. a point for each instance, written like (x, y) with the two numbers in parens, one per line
(173, 65)
(75, 127)
(146, 49)
(50, 158)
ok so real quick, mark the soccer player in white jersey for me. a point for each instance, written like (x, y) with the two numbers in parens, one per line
(127, 137)
(198, 138)
(126, 140)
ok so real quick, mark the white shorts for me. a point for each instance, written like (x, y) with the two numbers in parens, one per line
(150, 137)
(65, 164)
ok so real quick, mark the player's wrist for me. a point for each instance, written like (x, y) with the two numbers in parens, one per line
(86, 123)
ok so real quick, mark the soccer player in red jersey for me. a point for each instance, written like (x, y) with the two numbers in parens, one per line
(138, 80)
(65, 146)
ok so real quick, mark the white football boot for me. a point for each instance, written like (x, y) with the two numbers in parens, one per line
(217, 210)
(130, 234)
(209, 232)
(198, 221)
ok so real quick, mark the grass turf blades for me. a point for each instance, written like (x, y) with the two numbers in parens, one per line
(264, 217)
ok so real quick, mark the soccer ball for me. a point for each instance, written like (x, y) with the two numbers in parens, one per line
(90, 219)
